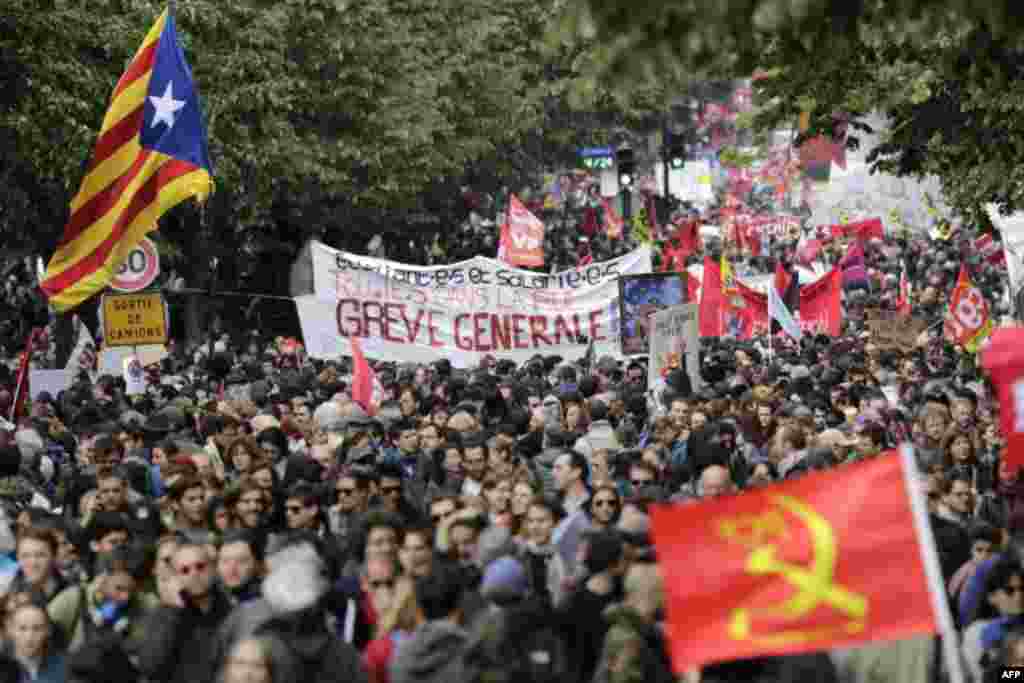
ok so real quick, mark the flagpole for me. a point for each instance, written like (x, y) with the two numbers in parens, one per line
(933, 572)
(23, 377)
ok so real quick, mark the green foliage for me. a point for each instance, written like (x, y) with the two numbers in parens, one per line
(947, 73)
(326, 118)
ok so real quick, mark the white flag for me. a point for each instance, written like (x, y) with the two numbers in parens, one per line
(778, 312)
(83, 356)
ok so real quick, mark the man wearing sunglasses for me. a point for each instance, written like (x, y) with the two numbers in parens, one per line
(180, 636)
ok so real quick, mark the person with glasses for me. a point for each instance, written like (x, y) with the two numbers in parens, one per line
(391, 493)
(304, 512)
(179, 644)
(957, 503)
(604, 507)
(353, 489)
(642, 474)
(999, 612)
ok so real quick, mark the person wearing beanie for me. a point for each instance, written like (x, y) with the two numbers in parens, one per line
(582, 614)
(516, 638)
(505, 582)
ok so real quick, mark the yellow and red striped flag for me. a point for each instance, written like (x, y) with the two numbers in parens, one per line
(151, 155)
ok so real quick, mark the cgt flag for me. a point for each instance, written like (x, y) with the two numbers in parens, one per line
(797, 567)
(522, 236)
(968, 321)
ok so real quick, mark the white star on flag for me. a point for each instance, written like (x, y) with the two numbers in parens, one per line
(165, 107)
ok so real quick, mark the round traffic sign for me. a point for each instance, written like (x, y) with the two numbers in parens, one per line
(139, 269)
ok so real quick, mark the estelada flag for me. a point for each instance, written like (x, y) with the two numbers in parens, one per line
(828, 560)
(968, 321)
(151, 155)
(522, 236)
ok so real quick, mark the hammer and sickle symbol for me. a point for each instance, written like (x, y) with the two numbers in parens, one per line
(813, 584)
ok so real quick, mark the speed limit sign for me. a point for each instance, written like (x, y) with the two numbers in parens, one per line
(139, 269)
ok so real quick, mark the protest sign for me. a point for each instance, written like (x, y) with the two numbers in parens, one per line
(675, 343)
(462, 311)
(891, 329)
(51, 381)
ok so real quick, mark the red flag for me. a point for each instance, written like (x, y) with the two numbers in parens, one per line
(903, 303)
(688, 234)
(990, 250)
(613, 222)
(362, 378)
(821, 305)
(861, 230)
(1003, 358)
(782, 278)
(968, 320)
(808, 251)
(522, 236)
(711, 299)
(19, 408)
(746, 314)
(797, 568)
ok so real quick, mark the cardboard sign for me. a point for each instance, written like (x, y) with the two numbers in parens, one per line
(889, 328)
(675, 344)
(134, 319)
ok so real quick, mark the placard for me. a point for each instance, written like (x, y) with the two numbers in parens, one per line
(889, 328)
(675, 344)
(640, 297)
(134, 319)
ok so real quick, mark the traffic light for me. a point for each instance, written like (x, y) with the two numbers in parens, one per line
(627, 166)
(677, 155)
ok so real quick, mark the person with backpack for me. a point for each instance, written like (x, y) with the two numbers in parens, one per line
(515, 639)
(635, 650)
(433, 653)
(113, 604)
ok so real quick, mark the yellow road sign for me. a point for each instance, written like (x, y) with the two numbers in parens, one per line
(134, 319)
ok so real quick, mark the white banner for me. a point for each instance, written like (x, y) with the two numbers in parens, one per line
(462, 311)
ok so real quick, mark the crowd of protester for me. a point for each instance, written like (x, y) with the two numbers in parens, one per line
(245, 521)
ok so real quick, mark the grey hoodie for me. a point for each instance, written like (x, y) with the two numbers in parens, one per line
(432, 654)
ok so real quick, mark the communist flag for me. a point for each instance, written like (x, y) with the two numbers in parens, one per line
(828, 560)
(151, 154)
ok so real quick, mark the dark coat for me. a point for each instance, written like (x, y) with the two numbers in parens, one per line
(180, 645)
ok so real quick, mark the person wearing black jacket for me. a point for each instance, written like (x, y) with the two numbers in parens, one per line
(180, 636)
